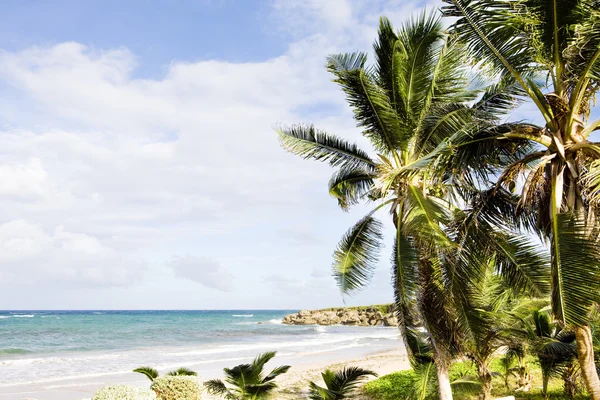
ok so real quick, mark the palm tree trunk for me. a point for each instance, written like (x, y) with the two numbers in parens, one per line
(585, 355)
(444, 388)
(485, 375)
(545, 379)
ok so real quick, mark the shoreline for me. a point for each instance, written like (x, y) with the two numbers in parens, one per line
(292, 385)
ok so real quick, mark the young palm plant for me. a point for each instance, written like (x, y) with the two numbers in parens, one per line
(548, 51)
(554, 348)
(152, 373)
(339, 384)
(247, 381)
(409, 105)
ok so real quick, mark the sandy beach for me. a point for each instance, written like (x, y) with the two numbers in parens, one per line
(292, 385)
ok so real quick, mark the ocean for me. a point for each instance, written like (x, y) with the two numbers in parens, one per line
(49, 346)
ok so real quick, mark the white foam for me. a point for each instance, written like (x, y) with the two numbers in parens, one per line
(243, 315)
(24, 315)
(276, 321)
(320, 329)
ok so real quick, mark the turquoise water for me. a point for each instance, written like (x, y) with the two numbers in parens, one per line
(43, 346)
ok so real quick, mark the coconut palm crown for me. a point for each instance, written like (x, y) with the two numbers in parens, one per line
(548, 51)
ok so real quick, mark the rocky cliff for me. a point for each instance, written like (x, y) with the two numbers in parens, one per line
(357, 316)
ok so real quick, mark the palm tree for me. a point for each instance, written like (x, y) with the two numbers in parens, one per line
(409, 106)
(247, 380)
(554, 348)
(548, 51)
(152, 373)
(339, 384)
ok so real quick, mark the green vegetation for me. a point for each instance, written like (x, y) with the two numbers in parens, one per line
(152, 373)
(177, 387)
(467, 191)
(247, 381)
(124, 392)
(339, 384)
(401, 385)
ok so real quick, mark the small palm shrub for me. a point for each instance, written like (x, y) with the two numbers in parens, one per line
(247, 381)
(177, 387)
(339, 385)
(124, 392)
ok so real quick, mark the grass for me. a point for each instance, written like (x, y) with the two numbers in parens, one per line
(399, 385)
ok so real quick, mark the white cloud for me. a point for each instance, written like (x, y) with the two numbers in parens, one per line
(188, 163)
(28, 254)
(206, 271)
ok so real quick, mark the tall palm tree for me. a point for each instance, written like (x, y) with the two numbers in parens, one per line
(409, 105)
(247, 380)
(339, 384)
(548, 52)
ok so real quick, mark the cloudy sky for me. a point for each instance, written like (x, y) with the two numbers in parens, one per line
(139, 167)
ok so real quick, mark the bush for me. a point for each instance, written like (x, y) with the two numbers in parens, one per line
(395, 386)
(124, 392)
(177, 388)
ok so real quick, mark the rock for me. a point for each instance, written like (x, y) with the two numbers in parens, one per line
(368, 316)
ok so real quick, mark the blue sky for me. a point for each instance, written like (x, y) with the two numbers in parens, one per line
(138, 159)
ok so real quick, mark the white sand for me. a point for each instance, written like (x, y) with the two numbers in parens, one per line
(292, 385)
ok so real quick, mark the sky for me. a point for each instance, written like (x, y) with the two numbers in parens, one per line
(139, 165)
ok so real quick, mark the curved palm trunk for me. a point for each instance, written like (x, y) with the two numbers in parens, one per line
(444, 388)
(585, 355)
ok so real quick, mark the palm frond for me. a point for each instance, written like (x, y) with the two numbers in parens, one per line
(357, 254)
(217, 387)
(149, 372)
(349, 186)
(309, 142)
(576, 270)
(182, 372)
(371, 105)
(276, 372)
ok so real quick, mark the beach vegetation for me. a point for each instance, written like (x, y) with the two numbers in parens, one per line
(177, 387)
(340, 384)
(153, 374)
(124, 392)
(247, 381)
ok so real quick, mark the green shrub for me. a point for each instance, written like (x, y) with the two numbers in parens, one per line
(177, 388)
(395, 386)
(124, 392)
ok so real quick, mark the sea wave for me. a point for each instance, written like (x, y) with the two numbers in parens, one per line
(243, 315)
(23, 315)
(275, 321)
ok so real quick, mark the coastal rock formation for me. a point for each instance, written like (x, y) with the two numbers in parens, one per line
(355, 316)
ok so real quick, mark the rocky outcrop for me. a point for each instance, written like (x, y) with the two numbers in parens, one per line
(355, 316)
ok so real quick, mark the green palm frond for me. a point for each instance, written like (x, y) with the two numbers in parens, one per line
(339, 384)
(276, 372)
(217, 387)
(371, 105)
(309, 142)
(357, 254)
(183, 372)
(350, 186)
(149, 372)
(575, 272)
